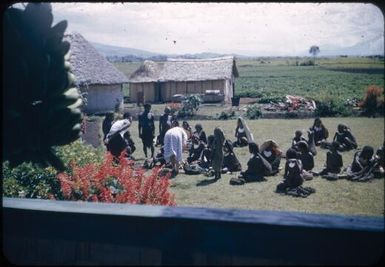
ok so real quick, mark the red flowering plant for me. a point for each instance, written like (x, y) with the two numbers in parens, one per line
(116, 182)
(373, 100)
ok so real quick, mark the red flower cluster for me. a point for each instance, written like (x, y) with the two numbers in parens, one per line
(116, 183)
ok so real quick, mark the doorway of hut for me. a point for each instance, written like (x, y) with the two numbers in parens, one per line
(158, 92)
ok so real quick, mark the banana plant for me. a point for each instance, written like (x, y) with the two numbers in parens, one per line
(41, 105)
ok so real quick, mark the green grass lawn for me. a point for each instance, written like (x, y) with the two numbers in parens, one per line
(331, 197)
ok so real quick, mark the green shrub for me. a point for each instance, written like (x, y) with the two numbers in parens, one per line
(29, 180)
(271, 99)
(80, 152)
(332, 108)
(253, 112)
(226, 115)
(190, 106)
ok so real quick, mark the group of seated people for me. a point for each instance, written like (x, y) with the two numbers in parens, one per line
(204, 151)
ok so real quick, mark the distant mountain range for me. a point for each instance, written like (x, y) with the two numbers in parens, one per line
(116, 53)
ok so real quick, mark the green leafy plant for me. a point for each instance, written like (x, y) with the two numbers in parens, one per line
(226, 115)
(28, 180)
(41, 108)
(332, 108)
(253, 112)
(189, 106)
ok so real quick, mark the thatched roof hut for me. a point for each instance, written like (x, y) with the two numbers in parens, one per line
(95, 76)
(158, 81)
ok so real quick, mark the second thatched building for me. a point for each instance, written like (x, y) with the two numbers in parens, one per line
(157, 82)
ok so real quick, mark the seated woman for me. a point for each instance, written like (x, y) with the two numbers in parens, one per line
(297, 138)
(293, 172)
(196, 150)
(345, 138)
(200, 133)
(230, 160)
(293, 177)
(320, 132)
(257, 166)
(307, 160)
(271, 152)
(362, 166)
(206, 158)
(186, 127)
(333, 164)
(242, 133)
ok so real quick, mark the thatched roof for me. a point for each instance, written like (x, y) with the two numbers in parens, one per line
(89, 66)
(177, 69)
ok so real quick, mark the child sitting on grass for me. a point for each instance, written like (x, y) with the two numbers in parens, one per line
(293, 177)
(344, 137)
(307, 160)
(257, 166)
(333, 164)
(297, 138)
(196, 150)
(363, 165)
(230, 160)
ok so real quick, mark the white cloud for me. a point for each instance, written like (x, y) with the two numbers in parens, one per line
(275, 28)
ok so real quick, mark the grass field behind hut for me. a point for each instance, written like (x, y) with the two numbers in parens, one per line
(340, 78)
(331, 197)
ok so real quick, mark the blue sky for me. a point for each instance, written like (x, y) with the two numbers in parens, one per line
(277, 29)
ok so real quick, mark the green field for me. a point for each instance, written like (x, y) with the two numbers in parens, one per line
(338, 197)
(341, 78)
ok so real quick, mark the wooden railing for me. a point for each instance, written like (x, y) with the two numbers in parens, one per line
(64, 232)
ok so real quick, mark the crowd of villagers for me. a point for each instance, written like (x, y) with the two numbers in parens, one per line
(214, 154)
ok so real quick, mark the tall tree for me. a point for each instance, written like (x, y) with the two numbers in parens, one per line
(314, 50)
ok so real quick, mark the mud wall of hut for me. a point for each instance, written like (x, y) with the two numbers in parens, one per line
(168, 89)
(102, 98)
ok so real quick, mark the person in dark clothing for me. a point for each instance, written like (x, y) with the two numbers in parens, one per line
(200, 133)
(379, 169)
(345, 138)
(217, 152)
(257, 166)
(307, 160)
(240, 134)
(293, 172)
(271, 152)
(305, 156)
(107, 123)
(363, 165)
(115, 140)
(130, 144)
(147, 129)
(206, 158)
(196, 150)
(187, 128)
(165, 122)
(297, 138)
(321, 133)
(333, 164)
(230, 160)
(159, 159)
